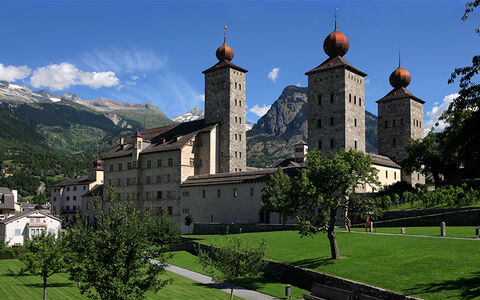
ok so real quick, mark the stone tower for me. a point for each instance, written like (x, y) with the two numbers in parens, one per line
(336, 100)
(225, 105)
(400, 117)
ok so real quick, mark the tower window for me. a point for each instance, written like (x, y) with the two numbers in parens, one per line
(204, 194)
(239, 102)
(331, 98)
(355, 144)
(236, 136)
(218, 193)
(394, 141)
(236, 119)
(420, 123)
(359, 101)
(319, 123)
(235, 102)
(386, 124)
(240, 137)
(355, 124)
(331, 121)
(240, 120)
(386, 174)
(240, 154)
(235, 85)
(394, 123)
(354, 99)
(319, 144)
(401, 122)
(394, 175)
(240, 86)
(235, 154)
(319, 99)
(350, 98)
(331, 143)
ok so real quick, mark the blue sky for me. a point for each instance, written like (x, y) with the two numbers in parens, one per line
(154, 51)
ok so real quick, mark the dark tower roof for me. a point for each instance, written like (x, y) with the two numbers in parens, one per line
(137, 134)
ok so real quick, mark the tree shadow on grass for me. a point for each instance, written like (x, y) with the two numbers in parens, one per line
(468, 287)
(253, 283)
(313, 263)
(56, 284)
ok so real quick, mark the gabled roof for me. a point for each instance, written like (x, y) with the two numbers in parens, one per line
(336, 62)
(165, 138)
(238, 177)
(400, 93)
(224, 64)
(382, 160)
(26, 213)
(74, 181)
(97, 190)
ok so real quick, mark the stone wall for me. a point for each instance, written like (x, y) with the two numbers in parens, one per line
(221, 228)
(464, 216)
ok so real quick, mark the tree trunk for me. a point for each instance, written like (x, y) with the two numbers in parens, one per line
(44, 288)
(332, 238)
(231, 292)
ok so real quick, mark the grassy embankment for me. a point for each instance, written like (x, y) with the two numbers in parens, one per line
(428, 268)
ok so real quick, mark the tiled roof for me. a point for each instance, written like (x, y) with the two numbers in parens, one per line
(231, 178)
(74, 181)
(95, 191)
(335, 62)
(400, 93)
(382, 160)
(223, 64)
(29, 212)
(165, 138)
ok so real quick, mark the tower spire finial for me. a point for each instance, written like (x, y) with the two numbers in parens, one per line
(399, 63)
(336, 18)
(225, 34)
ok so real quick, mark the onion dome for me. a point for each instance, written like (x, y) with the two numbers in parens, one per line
(336, 43)
(97, 165)
(224, 52)
(400, 77)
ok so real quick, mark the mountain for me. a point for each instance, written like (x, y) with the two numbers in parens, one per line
(197, 113)
(70, 124)
(285, 124)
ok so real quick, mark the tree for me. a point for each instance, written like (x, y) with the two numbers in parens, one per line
(111, 260)
(233, 260)
(328, 184)
(188, 221)
(44, 256)
(463, 114)
(428, 156)
(277, 195)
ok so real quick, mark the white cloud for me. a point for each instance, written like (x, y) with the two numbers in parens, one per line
(12, 73)
(61, 76)
(273, 75)
(201, 97)
(134, 77)
(124, 60)
(260, 110)
(436, 112)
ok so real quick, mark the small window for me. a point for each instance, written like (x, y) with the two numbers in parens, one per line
(235, 85)
(394, 175)
(240, 120)
(354, 99)
(359, 101)
(192, 161)
(355, 144)
(331, 121)
(218, 193)
(170, 210)
(355, 122)
(350, 98)
(251, 191)
(319, 144)
(394, 142)
(319, 123)
(74, 188)
(74, 198)
(159, 162)
(149, 164)
(235, 102)
(386, 124)
(235, 154)
(394, 123)
(159, 195)
(386, 174)
(332, 144)
(239, 102)
(129, 165)
(236, 119)
(401, 122)
(319, 99)
(18, 232)
(331, 98)
(120, 167)
(204, 194)
(170, 162)
(236, 137)
(235, 193)
(68, 189)
(240, 86)
(240, 137)
(68, 198)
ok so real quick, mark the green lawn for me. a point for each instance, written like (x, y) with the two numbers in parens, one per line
(454, 231)
(428, 268)
(261, 284)
(13, 287)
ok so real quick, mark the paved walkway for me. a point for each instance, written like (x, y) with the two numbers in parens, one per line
(223, 286)
(416, 235)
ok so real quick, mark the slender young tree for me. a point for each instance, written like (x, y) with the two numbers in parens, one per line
(44, 257)
(328, 184)
(111, 260)
(233, 260)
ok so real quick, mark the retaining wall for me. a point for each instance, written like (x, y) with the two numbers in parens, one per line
(221, 228)
(462, 216)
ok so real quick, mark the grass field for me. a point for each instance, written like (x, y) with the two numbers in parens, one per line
(13, 287)
(429, 268)
(453, 231)
(260, 284)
